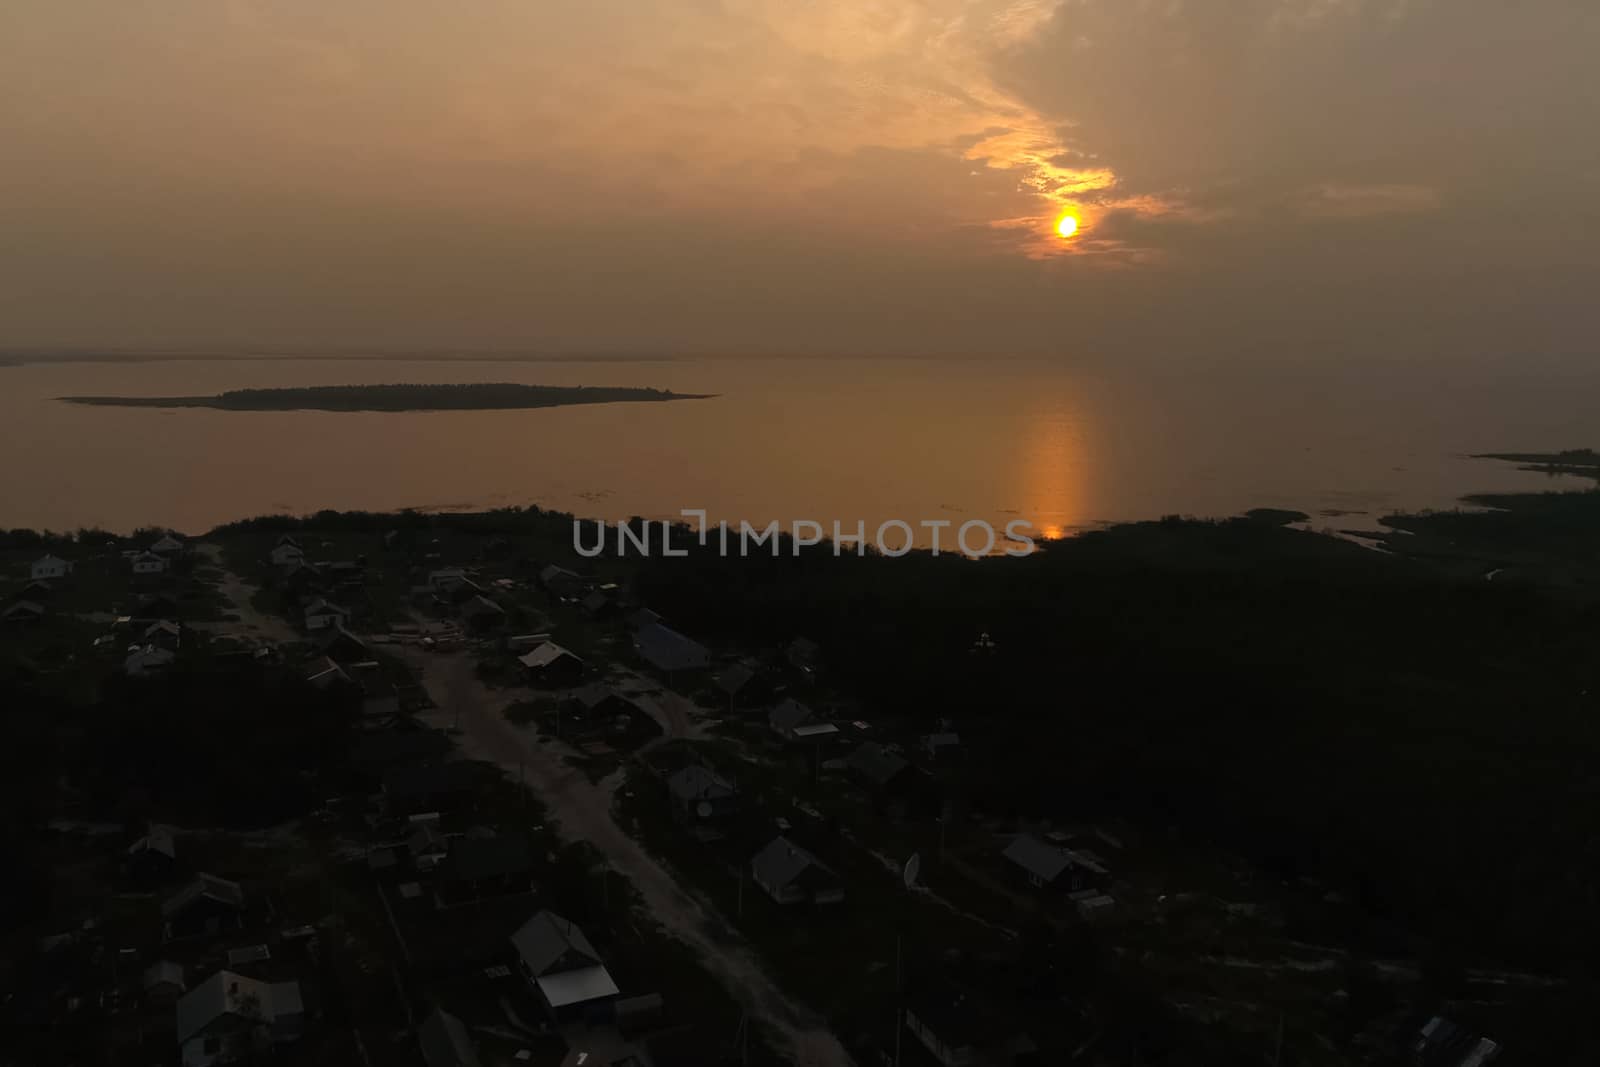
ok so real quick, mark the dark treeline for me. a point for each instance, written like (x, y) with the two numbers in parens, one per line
(1422, 745)
(476, 396)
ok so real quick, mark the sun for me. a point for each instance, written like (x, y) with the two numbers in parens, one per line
(1067, 225)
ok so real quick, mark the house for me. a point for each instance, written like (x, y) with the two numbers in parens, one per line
(559, 581)
(340, 644)
(299, 577)
(481, 613)
(791, 875)
(600, 701)
(1047, 865)
(286, 551)
(149, 563)
(48, 567)
(163, 634)
(324, 673)
(207, 905)
(322, 613)
(1442, 1043)
(147, 662)
(794, 721)
(638, 620)
(39, 591)
(742, 683)
(565, 970)
(553, 666)
(163, 982)
(428, 845)
(152, 859)
(599, 604)
(701, 798)
(877, 768)
(803, 654)
(441, 787)
(445, 1042)
(961, 1027)
(229, 1018)
(943, 746)
(167, 546)
(669, 651)
(487, 866)
(23, 611)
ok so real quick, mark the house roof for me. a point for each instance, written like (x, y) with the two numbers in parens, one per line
(594, 694)
(732, 679)
(941, 740)
(549, 944)
(696, 782)
(642, 618)
(147, 659)
(783, 862)
(1047, 861)
(481, 605)
(790, 714)
(23, 607)
(596, 600)
(324, 606)
(557, 573)
(207, 887)
(445, 1041)
(148, 557)
(577, 987)
(162, 626)
(544, 655)
(668, 650)
(227, 993)
(159, 839)
(325, 672)
(48, 560)
(875, 763)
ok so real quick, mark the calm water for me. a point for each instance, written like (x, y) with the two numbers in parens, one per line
(786, 440)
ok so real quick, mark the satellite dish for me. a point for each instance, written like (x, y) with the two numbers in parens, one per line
(703, 809)
(913, 869)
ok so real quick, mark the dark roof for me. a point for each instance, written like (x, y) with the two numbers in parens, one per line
(1047, 861)
(595, 694)
(159, 839)
(732, 679)
(398, 746)
(546, 654)
(596, 601)
(790, 714)
(638, 620)
(204, 886)
(445, 1041)
(875, 763)
(475, 858)
(549, 944)
(668, 650)
(695, 782)
(783, 862)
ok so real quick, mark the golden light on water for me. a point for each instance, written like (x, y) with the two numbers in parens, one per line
(1067, 225)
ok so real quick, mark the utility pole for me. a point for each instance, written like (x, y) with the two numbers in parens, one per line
(899, 996)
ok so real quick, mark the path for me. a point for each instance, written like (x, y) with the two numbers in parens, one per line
(239, 592)
(582, 811)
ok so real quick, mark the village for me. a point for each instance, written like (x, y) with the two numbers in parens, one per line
(562, 832)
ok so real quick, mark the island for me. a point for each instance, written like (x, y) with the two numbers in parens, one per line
(476, 396)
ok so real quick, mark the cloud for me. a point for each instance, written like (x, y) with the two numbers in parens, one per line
(1335, 201)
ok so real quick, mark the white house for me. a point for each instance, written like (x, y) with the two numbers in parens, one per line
(149, 563)
(167, 545)
(229, 1018)
(50, 567)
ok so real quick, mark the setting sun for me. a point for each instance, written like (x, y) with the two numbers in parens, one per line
(1067, 226)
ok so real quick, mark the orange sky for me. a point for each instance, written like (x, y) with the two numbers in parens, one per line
(826, 175)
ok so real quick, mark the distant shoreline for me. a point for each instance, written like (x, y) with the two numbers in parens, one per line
(485, 396)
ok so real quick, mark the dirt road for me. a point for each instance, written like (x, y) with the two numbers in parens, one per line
(239, 592)
(582, 812)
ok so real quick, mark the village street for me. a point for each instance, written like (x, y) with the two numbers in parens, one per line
(269, 627)
(582, 812)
